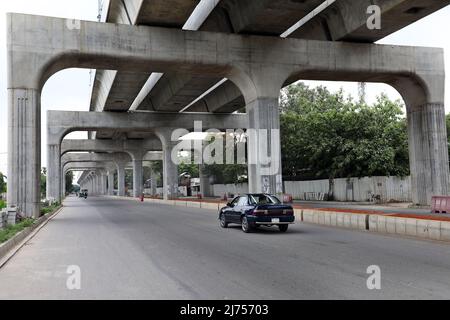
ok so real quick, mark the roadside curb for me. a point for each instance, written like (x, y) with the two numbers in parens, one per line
(9, 248)
(430, 229)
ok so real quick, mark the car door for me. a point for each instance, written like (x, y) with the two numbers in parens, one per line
(229, 210)
(240, 208)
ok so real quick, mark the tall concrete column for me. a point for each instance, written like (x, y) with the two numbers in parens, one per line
(24, 152)
(428, 151)
(170, 173)
(170, 168)
(205, 184)
(264, 152)
(63, 191)
(96, 185)
(53, 191)
(100, 184)
(153, 186)
(110, 183)
(89, 185)
(138, 177)
(121, 179)
(103, 183)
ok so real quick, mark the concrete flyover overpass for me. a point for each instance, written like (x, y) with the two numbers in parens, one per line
(231, 55)
(117, 163)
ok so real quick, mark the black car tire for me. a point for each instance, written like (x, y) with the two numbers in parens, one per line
(223, 222)
(283, 227)
(245, 225)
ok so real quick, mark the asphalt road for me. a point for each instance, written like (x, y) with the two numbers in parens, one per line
(129, 250)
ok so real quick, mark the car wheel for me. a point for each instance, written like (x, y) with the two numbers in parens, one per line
(246, 225)
(223, 222)
(283, 227)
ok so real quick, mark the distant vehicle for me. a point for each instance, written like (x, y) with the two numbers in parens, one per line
(83, 193)
(255, 210)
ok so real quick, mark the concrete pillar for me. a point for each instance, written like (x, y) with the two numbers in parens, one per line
(53, 191)
(264, 144)
(138, 177)
(121, 179)
(110, 183)
(96, 184)
(103, 184)
(63, 189)
(24, 151)
(99, 184)
(91, 186)
(428, 152)
(153, 186)
(170, 172)
(205, 183)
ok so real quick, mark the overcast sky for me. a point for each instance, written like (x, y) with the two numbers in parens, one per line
(71, 89)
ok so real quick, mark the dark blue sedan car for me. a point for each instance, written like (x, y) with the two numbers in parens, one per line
(254, 210)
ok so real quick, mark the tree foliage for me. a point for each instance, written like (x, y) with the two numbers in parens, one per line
(325, 135)
(2, 183)
(69, 182)
(227, 173)
(43, 183)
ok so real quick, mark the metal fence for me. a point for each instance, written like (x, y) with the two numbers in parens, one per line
(372, 189)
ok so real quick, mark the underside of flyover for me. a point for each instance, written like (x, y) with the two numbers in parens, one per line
(218, 64)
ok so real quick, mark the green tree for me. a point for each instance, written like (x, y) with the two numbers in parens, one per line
(227, 173)
(191, 168)
(325, 135)
(43, 183)
(69, 182)
(2, 183)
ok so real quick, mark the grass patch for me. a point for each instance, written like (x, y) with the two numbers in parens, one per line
(11, 231)
(49, 209)
(2, 204)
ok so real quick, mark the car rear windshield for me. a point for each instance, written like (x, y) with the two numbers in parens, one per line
(260, 199)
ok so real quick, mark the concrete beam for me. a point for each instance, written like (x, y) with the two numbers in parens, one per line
(106, 157)
(80, 166)
(60, 123)
(128, 146)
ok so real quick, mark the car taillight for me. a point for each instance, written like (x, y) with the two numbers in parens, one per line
(288, 212)
(260, 212)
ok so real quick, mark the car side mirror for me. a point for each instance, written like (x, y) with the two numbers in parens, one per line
(229, 204)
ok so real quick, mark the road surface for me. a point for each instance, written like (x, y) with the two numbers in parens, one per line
(132, 250)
